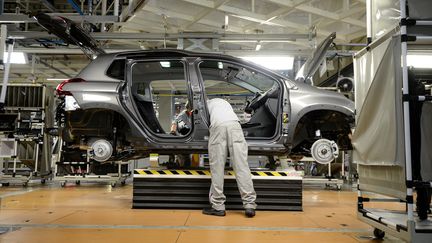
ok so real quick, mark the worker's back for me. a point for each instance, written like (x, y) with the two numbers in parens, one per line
(220, 111)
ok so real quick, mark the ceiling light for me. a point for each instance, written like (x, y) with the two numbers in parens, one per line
(272, 62)
(258, 46)
(16, 58)
(165, 64)
(225, 26)
(237, 41)
(419, 61)
(220, 65)
(57, 79)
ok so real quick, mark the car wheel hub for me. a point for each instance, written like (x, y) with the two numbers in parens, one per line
(102, 150)
(324, 151)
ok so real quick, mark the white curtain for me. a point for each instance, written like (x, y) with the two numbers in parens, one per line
(378, 136)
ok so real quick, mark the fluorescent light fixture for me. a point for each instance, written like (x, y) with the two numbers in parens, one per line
(272, 62)
(220, 65)
(258, 46)
(254, 41)
(57, 79)
(165, 64)
(420, 60)
(16, 58)
(237, 41)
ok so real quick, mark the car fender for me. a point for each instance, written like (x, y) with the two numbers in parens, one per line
(304, 102)
(101, 95)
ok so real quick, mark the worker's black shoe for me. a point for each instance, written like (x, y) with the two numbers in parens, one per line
(212, 211)
(250, 212)
(422, 213)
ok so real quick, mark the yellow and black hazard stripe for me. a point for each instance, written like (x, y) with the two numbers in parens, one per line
(171, 172)
(263, 173)
(204, 172)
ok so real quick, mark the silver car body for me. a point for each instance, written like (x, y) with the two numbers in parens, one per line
(100, 91)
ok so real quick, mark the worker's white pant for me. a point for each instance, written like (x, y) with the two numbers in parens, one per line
(224, 138)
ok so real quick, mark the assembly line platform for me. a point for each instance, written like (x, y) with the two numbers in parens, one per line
(189, 189)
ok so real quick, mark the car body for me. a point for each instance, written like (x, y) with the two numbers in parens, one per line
(120, 106)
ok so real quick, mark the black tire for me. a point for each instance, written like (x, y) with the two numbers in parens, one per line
(43, 181)
(78, 182)
(63, 184)
(379, 234)
(5, 184)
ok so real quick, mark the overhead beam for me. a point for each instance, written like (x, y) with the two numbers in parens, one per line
(134, 5)
(205, 13)
(320, 12)
(54, 68)
(21, 18)
(187, 17)
(259, 18)
(161, 36)
(278, 13)
(60, 51)
(49, 6)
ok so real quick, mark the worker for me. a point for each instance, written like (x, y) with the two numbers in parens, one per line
(181, 126)
(182, 123)
(226, 135)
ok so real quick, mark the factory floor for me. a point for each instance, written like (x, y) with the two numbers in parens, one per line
(100, 213)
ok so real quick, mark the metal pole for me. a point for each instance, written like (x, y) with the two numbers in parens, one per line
(116, 8)
(369, 21)
(6, 76)
(343, 164)
(408, 168)
(33, 64)
(88, 162)
(36, 158)
(27, 10)
(3, 35)
(16, 146)
(90, 6)
(1, 6)
(104, 11)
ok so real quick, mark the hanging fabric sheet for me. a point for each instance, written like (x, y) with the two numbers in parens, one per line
(378, 137)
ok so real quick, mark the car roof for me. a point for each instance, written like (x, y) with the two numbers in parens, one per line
(183, 53)
(94, 71)
(172, 53)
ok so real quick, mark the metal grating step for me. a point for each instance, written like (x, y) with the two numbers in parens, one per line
(278, 193)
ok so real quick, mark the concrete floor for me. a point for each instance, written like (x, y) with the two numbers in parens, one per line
(99, 213)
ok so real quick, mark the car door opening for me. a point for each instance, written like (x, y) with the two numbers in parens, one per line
(240, 86)
(160, 93)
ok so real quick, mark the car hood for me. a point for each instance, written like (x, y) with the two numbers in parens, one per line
(70, 32)
(312, 64)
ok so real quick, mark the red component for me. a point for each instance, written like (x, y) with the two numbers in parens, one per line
(60, 90)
